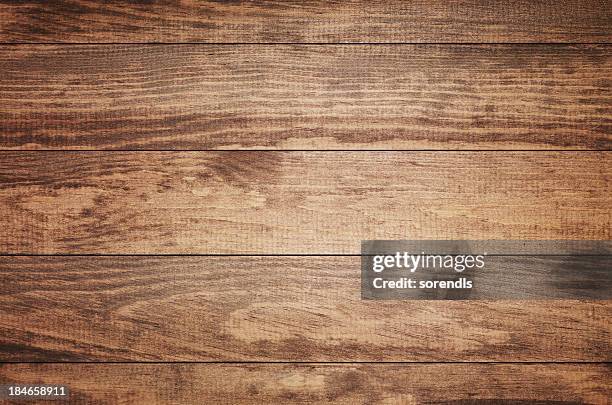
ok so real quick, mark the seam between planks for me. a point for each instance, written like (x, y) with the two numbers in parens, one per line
(259, 254)
(304, 150)
(308, 362)
(309, 43)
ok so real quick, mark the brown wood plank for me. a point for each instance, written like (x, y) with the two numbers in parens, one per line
(308, 21)
(294, 202)
(307, 97)
(320, 383)
(287, 308)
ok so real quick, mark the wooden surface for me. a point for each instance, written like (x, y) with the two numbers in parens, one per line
(309, 21)
(324, 383)
(294, 202)
(269, 309)
(340, 97)
(141, 263)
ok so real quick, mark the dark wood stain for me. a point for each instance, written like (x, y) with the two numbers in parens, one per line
(340, 97)
(309, 21)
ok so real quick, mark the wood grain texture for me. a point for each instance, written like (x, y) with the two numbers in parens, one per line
(294, 202)
(306, 21)
(320, 383)
(289, 308)
(306, 97)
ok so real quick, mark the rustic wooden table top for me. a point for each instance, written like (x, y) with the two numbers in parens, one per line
(184, 187)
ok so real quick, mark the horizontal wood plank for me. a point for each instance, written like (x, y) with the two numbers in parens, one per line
(299, 21)
(308, 97)
(320, 383)
(288, 308)
(294, 202)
